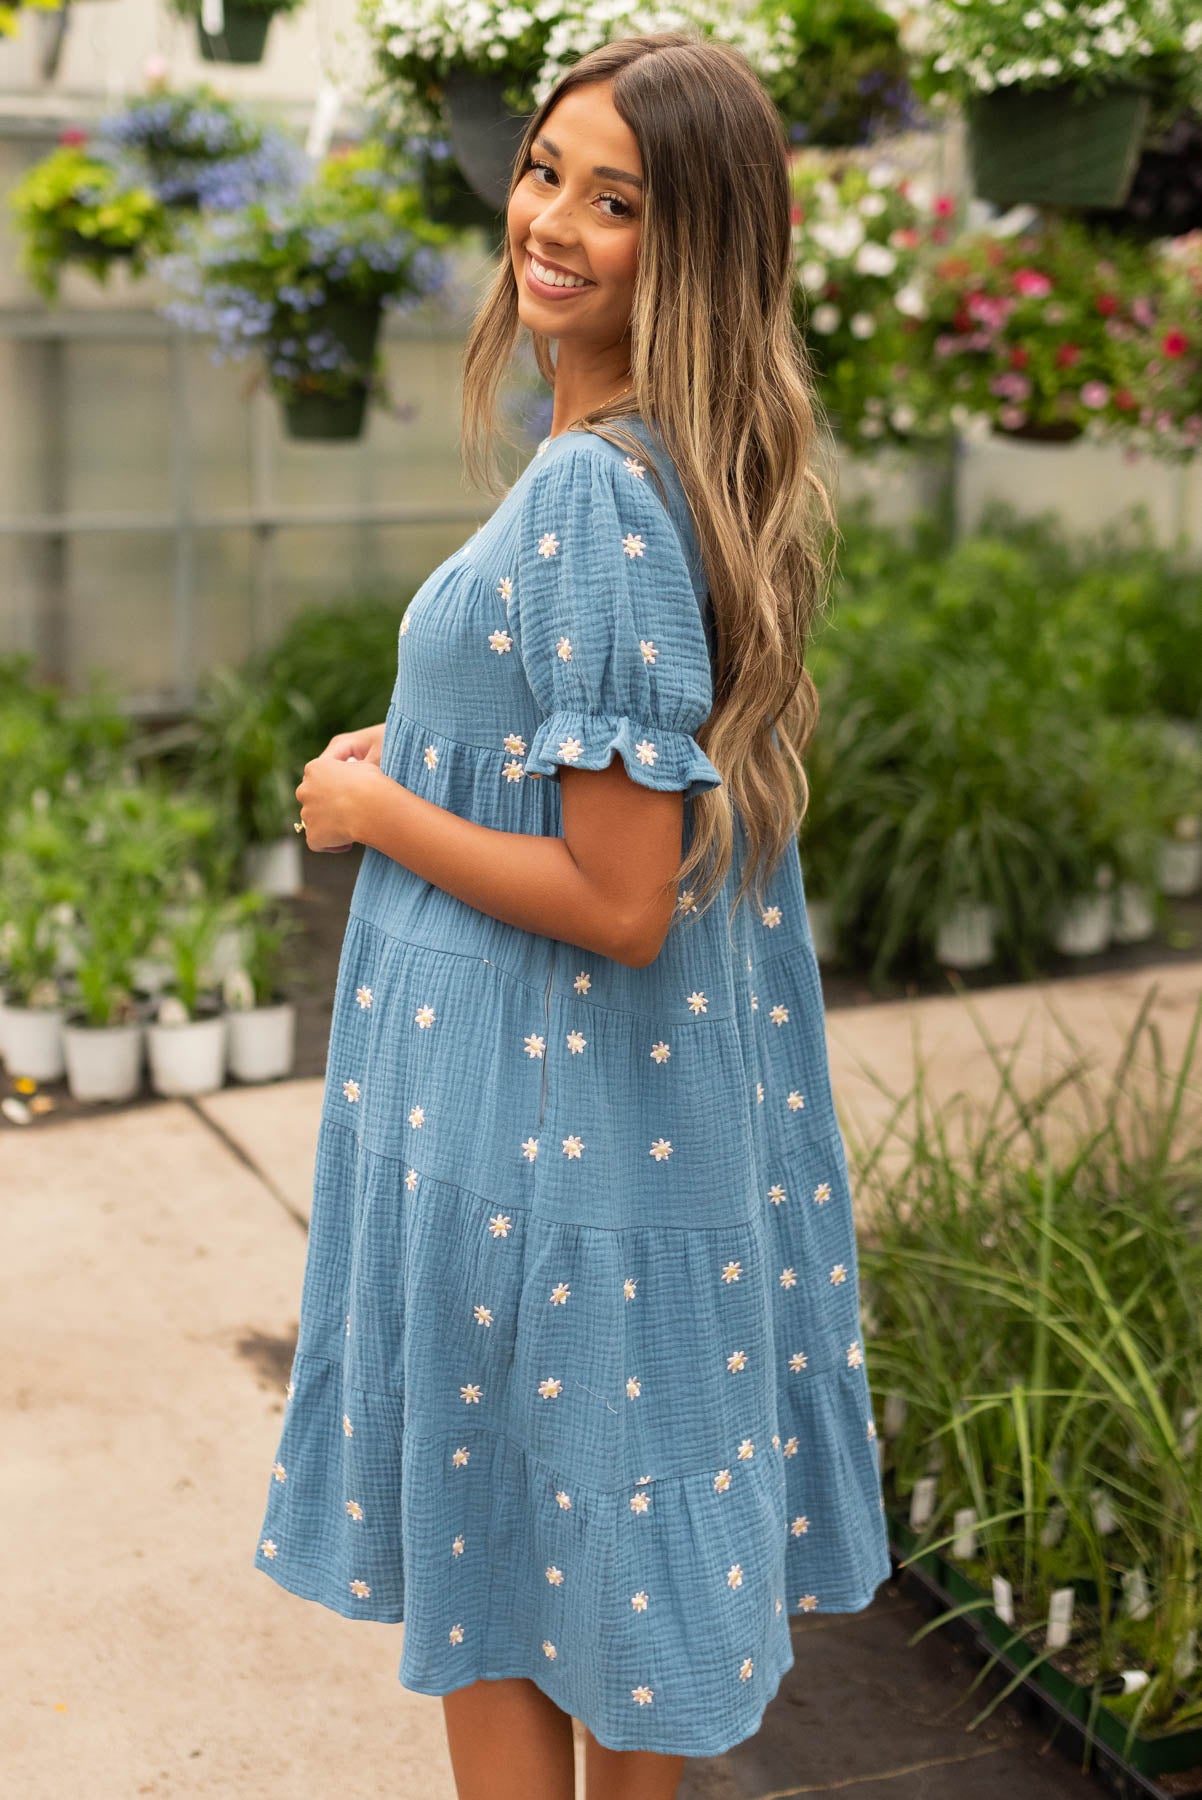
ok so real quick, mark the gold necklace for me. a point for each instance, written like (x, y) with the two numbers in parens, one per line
(593, 409)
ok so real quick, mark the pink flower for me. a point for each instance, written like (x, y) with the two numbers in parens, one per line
(1011, 385)
(1012, 417)
(1032, 283)
(1143, 312)
(72, 137)
(989, 310)
(944, 207)
(946, 344)
(1095, 395)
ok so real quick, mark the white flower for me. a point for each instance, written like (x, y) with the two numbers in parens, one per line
(570, 749)
(564, 649)
(660, 1052)
(500, 641)
(431, 756)
(871, 207)
(647, 752)
(647, 646)
(551, 1388)
(633, 544)
(573, 1147)
(812, 275)
(548, 544)
(825, 318)
(875, 259)
(862, 325)
(697, 1001)
(424, 1016)
(839, 237)
(661, 1149)
(911, 301)
(535, 1045)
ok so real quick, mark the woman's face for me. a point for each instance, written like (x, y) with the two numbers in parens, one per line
(577, 207)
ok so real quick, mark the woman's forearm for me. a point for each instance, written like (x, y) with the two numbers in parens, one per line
(521, 878)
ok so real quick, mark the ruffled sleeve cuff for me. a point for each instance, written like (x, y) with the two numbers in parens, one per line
(667, 760)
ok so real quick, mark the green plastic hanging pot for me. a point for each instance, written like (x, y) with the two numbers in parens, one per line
(1056, 146)
(338, 418)
(242, 38)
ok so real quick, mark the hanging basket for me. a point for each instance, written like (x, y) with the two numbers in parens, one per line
(80, 248)
(338, 418)
(1056, 146)
(242, 38)
(484, 134)
(1054, 431)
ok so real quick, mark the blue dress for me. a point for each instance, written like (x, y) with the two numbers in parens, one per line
(580, 1390)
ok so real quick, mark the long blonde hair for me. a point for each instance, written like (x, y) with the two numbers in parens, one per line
(722, 379)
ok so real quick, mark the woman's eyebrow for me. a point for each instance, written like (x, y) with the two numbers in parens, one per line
(598, 169)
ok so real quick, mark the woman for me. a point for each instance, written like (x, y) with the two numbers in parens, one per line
(580, 1391)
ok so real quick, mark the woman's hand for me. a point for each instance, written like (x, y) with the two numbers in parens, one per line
(330, 792)
(366, 744)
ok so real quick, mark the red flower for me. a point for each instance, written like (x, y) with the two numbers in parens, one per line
(1068, 356)
(1106, 304)
(72, 137)
(796, 215)
(1124, 399)
(945, 206)
(1174, 343)
(1032, 282)
(1019, 358)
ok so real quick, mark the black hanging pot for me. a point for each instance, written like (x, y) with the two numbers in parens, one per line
(242, 38)
(484, 134)
(339, 418)
(1056, 146)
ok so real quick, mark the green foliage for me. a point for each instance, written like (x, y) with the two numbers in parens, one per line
(247, 751)
(850, 83)
(80, 205)
(269, 946)
(342, 659)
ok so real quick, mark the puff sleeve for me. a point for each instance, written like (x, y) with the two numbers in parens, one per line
(608, 626)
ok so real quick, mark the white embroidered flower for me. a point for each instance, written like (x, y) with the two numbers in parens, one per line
(779, 1604)
(354, 1510)
(551, 1387)
(576, 1041)
(629, 1285)
(755, 1003)
(505, 587)
(745, 1668)
(795, 1100)
(687, 900)
(800, 1524)
(514, 742)
(721, 1481)
(736, 1361)
(290, 1389)
(348, 1430)
(411, 1179)
(647, 752)
(639, 1601)
(779, 1015)
(530, 1148)
(808, 1602)
(535, 1045)
(635, 466)
(404, 625)
(424, 1016)
(660, 1052)
(642, 1695)
(457, 1545)
(770, 916)
(513, 771)
(697, 1001)
(822, 1193)
(417, 1117)
(634, 1387)
(570, 749)
(791, 1446)
(548, 544)
(564, 1500)
(661, 1149)
(731, 1271)
(483, 1315)
(456, 1634)
(746, 1450)
(798, 1361)
(549, 1649)
(871, 1429)
(499, 1224)
(788, 1278)
(431, 755)
(642, 1480)
(647, 646)
(351, 1090)
(855, 1356)
(555, 1576)
(633, 544)
(734, 1575)
(364, 996)
(559, 1293)
(639, 1503)
(500, 641)
(583, 983)
(759, 1092)
(838, 1275)
(776, 1193)
(563, 649)
(573, 1146)
(471, 1393)
(279, 1471)
(269, 1547)
(459, 1457)
(360, 1590)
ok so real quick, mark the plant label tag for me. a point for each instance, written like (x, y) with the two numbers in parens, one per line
(1136, 1603)
(1134, 1680)
(1186, 1659)
(895, 1414)
(1105, 1519)
(1003, 1600)
(1060, 1618)
(922, 1502)
(1053, 1529)
(326, 108)
(212, 17)
(965, 1541)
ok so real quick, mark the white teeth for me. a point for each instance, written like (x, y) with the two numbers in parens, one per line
(554, 279)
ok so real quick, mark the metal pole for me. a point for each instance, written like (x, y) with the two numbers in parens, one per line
(184, 541)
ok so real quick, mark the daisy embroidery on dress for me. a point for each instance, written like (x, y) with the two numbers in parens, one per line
(734, 1575)
(795, 1101)
(351, 1090)
(514, 742)
(745, 1668)
(634, 1387)
(660, 1052)
(500, 641)
(431, 756)
(424, 1016)
(759, 1092)
(798, 1361)
(459, 1457)
(770, 916)
(549, 1649)
(564, 1500)
(535, 1045)
(457, 1546)
(548, 544)
(417, 1117)
(530, 1148)
(633, 544)
(808, 1602)
(721, 1481)
(697, 1001)
(411, 1179)
(505, 587)
(640, 1503)
(687, 900)
(776, 1193)
(555, 1576)
(279, 1471)
(822, 1193)
(364, 996)
(563, 649)
(513, 771)
(551, 1388)
(404, 625)
(871, 1429)
(800, 1525)
(642, 1695)
(269, 1547)
(838, 1275)
(661, 1149)
(576, 1041)
(639, 1601)
(348, 1430)
(736, 1361)
(360, 1590)
(855, 1356)
(583, 983)
(731, 1271)
(499, 1224)
(354, 1510)
(791, 1446)
(635, 466)
(456, 1634)
(647, 752)
(573, 1147)
(559, 1293)
(647, 646)
(779, 1015)
(755, 1003)
(629, 1285)
(788, 1278)
(483, 1315)
(570, 749)
(470, 1393)
(746, 1450)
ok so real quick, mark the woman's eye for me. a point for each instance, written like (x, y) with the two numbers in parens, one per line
(532, 163)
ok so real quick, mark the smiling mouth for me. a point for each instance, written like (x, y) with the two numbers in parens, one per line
(575, 286)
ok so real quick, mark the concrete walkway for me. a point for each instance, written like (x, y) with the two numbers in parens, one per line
(150, 1270)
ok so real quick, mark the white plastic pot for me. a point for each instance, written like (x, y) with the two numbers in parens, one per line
(1134, 915)
(187, 1059)
(822, 933)
(33, 1042)
(965, 938)
(276, 868)
(104, 1062)
(1180, 865)
(262, 1042)
(1084, 927)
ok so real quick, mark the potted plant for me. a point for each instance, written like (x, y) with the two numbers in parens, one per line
(36, 881)
(848, 84)
(1100, 790)
(82, 205)
(103, 1035)
(1058, 98)
(187, 1038)
(305, 281)
(262, 1020)
(249, 748)
(233, 31)
(200, 150)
